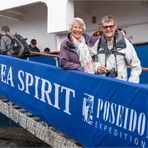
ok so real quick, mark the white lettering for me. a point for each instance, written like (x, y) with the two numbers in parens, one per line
(100, 107)
(106, 111)
(45, 90)
(120, 113)
(122, 117)
(29, 82)
(36, 87)
(6, 75)
(133, 119)
(20, 75)
(67, 98)
(141, 124)
(56, 97)
(112, 115)
(3, 73)
(125, 118)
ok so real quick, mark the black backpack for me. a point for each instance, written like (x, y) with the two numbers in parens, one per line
(20, 46)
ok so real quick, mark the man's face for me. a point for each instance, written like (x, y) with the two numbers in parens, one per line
(33, 45)
(109, 29)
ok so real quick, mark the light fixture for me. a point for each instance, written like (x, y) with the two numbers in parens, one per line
(94, 19)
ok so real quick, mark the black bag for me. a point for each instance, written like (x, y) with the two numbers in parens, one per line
(20, 46)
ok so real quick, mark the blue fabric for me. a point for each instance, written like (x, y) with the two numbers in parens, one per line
(44, 59)
(94, 110)
(142, 52)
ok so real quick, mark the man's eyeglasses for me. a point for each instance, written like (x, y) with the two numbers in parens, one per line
(110, 27)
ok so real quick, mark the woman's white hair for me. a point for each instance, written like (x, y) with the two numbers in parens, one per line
(80, 21)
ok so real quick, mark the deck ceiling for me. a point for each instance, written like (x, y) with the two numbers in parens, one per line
(17, 13)
(134, 12)
(131, 12)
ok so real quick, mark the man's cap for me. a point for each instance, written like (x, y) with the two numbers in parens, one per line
(33, 41)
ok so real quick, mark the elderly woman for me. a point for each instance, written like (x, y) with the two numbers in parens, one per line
(74, 51)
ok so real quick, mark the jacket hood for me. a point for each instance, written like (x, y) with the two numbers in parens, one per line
(119, 41)
(70, 44)
(69, 41)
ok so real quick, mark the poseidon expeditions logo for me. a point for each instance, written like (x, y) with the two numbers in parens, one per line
(88, 108)
(116, 120)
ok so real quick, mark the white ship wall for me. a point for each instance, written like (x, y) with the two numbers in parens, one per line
(33, 25)
(49, 25)
(131, 15)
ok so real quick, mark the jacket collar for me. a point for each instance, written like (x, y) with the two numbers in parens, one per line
(70, 42)
(119, 41)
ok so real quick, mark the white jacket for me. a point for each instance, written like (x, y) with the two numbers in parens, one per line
(128, 59)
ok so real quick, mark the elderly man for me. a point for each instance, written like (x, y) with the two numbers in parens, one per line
(113, 53)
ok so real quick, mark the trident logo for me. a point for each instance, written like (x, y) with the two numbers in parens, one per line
(87, 110)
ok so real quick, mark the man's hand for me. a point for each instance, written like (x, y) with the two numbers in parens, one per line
(102, 70)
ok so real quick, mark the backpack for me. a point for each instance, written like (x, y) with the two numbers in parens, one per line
(20, 46)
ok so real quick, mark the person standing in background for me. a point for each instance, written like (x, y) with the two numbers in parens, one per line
(47, 49)
(33, 46)
(6, 46)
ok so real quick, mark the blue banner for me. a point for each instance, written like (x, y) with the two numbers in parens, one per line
(94, 110)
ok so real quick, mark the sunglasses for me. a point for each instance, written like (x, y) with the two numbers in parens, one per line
(110, 27)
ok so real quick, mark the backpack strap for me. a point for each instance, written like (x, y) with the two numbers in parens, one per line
(7, 49)
(99, 46)
(104, 50)
(2, 51)
(7, 35)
